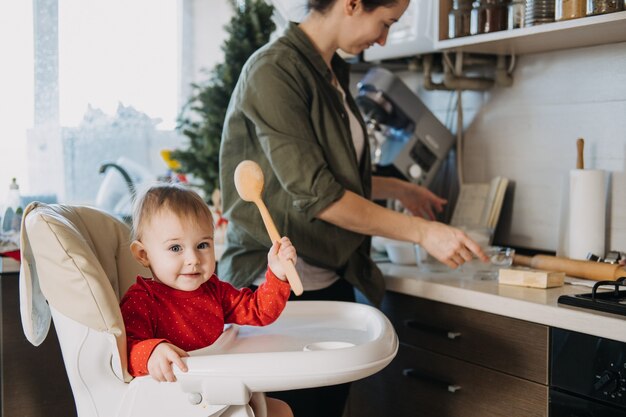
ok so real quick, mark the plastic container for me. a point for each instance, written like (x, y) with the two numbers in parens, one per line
(499, 257)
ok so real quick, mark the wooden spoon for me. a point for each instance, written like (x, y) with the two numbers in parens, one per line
(249, 184)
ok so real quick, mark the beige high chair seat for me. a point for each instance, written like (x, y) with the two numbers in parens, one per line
(76, 264)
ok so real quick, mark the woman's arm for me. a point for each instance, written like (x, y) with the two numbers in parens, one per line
(355, 213)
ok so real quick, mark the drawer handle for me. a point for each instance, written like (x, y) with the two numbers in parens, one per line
(413, 373)
(414, 324)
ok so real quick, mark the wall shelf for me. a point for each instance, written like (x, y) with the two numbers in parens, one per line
(576, 33)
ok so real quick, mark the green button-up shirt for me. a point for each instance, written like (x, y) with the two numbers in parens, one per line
(286, 115)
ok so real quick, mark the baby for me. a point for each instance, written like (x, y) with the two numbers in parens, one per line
(184, 306)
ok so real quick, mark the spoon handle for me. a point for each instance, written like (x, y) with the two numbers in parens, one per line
(290, 269)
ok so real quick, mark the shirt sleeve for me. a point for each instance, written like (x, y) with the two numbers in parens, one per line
(278, 105)
(258, 308)
(137, 310)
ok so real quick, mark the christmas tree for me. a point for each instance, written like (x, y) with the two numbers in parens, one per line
(202, 118)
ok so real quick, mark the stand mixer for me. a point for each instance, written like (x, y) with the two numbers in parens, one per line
(405, 135)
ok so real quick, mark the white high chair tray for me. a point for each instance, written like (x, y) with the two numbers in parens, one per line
(313, 343)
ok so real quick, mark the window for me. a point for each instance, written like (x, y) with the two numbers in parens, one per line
(16, 89)
(91, 82)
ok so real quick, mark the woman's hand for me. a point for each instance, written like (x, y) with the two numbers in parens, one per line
(161, 360)
(450, 245)
(281, 251)
(420, 201)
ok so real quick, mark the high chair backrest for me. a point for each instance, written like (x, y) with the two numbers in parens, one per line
(83, 265)
(76, 264)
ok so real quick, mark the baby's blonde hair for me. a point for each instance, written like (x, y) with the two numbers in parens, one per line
(180, 200)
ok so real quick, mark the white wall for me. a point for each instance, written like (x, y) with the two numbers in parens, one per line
(528, 133)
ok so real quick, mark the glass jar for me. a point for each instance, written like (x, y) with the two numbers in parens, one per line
(516, 13)
(459, 19)
(603, 6)
(487, 16)
(539, 12)
(569, 9)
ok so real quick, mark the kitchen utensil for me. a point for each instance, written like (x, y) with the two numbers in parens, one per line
(249, 184)
(580, 146)
(596, 271)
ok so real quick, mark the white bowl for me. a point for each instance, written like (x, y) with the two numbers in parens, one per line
(400, 252)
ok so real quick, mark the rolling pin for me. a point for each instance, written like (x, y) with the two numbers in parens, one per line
(597, 271)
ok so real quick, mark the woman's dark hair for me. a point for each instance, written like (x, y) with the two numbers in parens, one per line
(322, 6)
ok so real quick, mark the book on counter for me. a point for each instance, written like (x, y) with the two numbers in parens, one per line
(479, 204)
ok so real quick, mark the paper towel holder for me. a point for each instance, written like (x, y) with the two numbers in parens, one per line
(580, 159)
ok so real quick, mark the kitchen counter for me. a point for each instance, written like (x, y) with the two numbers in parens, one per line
(463, 289)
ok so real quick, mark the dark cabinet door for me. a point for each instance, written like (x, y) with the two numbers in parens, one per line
(456, 362)
(425, 384)
(509, 345)
(32, 379)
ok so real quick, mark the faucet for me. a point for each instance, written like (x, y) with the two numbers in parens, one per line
(123, 172)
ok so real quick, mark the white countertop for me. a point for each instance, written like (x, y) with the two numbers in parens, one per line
(463, 289)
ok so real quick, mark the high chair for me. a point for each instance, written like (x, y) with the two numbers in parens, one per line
(76, 264)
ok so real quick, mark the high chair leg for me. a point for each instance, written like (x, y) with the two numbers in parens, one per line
(258, 404)
(257, 407)
(238, 411)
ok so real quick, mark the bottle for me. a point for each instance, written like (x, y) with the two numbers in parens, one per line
(12, 208)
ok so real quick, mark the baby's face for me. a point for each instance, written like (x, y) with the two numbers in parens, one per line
(180, 251)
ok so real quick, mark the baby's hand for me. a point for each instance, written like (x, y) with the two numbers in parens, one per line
(161, 360)
(282, 250)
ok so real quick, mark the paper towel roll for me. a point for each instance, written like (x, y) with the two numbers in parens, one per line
(587, 213)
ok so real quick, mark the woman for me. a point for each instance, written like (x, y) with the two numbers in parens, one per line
(291, 113)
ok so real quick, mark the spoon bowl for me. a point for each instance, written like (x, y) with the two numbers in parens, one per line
(249, 181)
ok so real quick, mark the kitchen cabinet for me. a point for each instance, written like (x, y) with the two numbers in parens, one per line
(32, 379)
(575, 33)
(454, 361)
